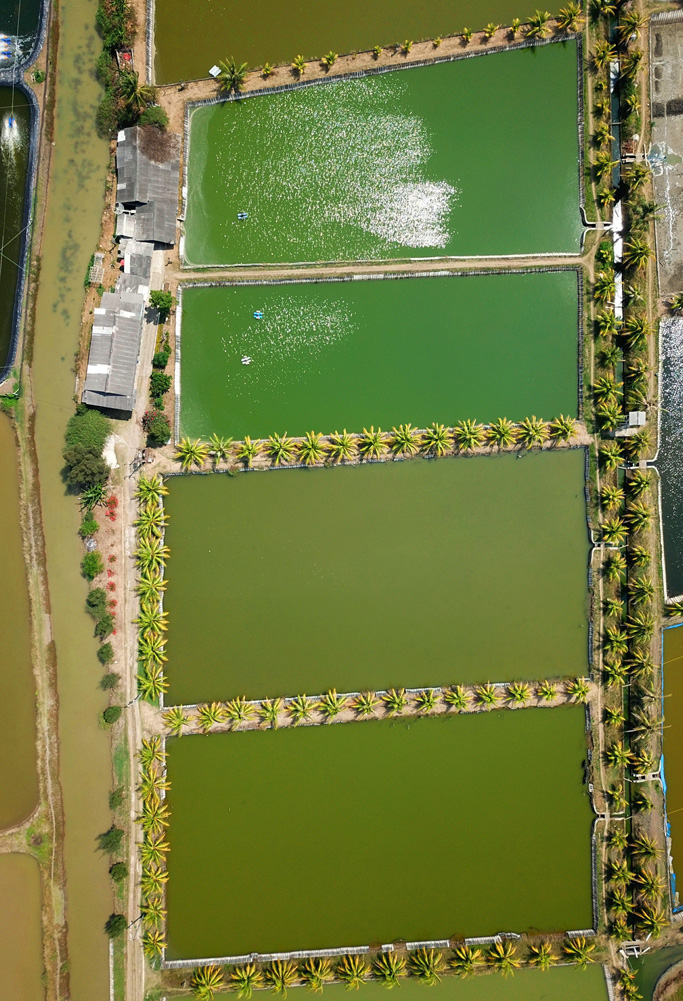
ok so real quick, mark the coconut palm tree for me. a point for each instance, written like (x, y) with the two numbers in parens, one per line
(617, 756)
(405, 440)
(244, 978)
(155, 815)
(603, 165)
(644, 847)
(332, 704)
(578, 689)
(151, 555)
(532, 431)
(136, 95)
(644, 724)
(372, 444)
(637, 253)
(610, 414)
(519, 693)
(601, 108)
(301, 708)
(630, 64)
(468, 435)
(615, 674)
(153, 850)
(152, 684)
(613, 608)
(627, 983)
(206, 980)
(640, 627)
(231, 77)
(562, 428)
(377, 51)
(502, 433)
(311, 449)
(676, 302)
(426, 701)
(191, 452)
(315, 973)
(151, 621)
(642, 590)
(466, 35)
(603, 287)
(153, 943)
(437, 439)
(620, 901)
(617, 839)
(615, 641)
(546, 691)
(150, 488)
(299, 65)
(365, 703)
(638, 482)
(541, 956)
(603, 53)
(650, 884)
(426, 965)
(239, 711)
(487, 695)
(651, 920)
(639, 515)
(579, 950)
(153, 912)
(465, 959)
(329, 60)
(389, 967)
(570, 17)
(640, 665)
(515, 26)
(503, 957)
(490, 30)
(619, 873)
(674, 608)
(457, 698)
(220, 448)
(151, 521)
(636, 332)
(395, 701)
(614, 530)
(269, 712)
(352, 971)
(605, 196)
(644, 763)
(211, 714)
(641, 803)
(152, 784)
(152, 650)
(280, 975)
(151, 752)
(606, 387)
(280, 448)
(610, 455)
(611, 497)
(152, 880)
(538, 24)
(637, 444)
(247, 450)
(342, 446)
(609, 356)
(631, 23)
(614, 717)
(150, 587)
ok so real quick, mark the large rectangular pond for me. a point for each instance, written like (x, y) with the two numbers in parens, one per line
(265, 30)
(434, 161)
(319, 837)
(423, 572)
(354, 353)
(21, 948)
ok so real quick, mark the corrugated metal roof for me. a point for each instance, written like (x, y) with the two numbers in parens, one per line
(149, 183)
(114, 349)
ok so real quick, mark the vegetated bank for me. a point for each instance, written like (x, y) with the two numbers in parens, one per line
(347, 354)
(401, 164)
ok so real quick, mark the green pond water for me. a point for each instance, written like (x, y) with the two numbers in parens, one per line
(405, 164)
(673, 752)
(650, 967)
(14, 149)
(21, 950)
(265, 30)
(354, 353)
(423, 572)
(364, 833)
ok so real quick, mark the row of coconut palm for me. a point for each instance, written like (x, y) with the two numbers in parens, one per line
(154, 848)
(634, 887)
(403, 441)
(151, 555)
(365, 705)
(427, 965)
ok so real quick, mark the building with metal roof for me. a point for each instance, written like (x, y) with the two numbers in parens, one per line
(114, 350)
(148, 176)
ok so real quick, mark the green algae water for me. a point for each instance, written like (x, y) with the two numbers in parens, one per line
(14, 152)
(21, 951)
(354, 353)
(18, 775)
(378, 831)
(673, 751)
(265, 30)
(432, 161)
(413, 573)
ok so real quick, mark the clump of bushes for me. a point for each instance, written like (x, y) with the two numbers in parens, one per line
(159, 383)
(92, 565)
(109, 681)
(154, 116)
(105, 654)
(118, 872)
(104, 626)
(88, 526)
(84, 440)
(96, 603)
(158, 427)
(160, 359)
(112, 714)
(163, 301)
(110, 841)
(115, 925)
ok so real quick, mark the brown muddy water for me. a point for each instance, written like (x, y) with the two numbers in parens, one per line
(18, 775)
(21, 950)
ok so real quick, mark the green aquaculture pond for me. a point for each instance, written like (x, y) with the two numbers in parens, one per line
(15, 125)
(338, 819)
(266, 30)
(455, 159)
(407, 573)
(348, 354)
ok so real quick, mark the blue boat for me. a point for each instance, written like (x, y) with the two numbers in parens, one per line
(258, 314)
(242, 215)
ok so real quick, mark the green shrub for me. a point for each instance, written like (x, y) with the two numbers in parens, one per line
(116, 23)
(39, 76)
(105, 654)
(158, 403)
(163, 301)
(116, 798)
(104, 626)
(115, 925)
(118, 872)
(159, 383)
(110, 842)
(88, 527)
(109, 681)
(91, 565)
(88, 428)
(154, 116)
(96, 602)
(160, 359)
(159, 429)
(85, 469)
(112, 714)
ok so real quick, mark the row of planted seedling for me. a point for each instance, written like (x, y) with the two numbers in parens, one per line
(404, 441)
(395, 702)
(389, 967)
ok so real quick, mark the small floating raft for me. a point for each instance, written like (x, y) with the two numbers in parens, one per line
(242, 215)
(246, 360)
(258, 314)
